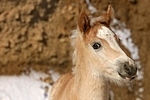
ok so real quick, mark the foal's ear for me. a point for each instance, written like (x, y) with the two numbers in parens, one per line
(83, 22)
(109, 15)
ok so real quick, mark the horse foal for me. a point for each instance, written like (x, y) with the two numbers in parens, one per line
(98, 59)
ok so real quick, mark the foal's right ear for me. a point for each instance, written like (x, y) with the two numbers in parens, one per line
(83, 22)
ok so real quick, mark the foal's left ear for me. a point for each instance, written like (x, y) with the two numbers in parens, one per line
(109, 15)
(83, 22)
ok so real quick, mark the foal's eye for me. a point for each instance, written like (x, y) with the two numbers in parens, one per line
(96, 45)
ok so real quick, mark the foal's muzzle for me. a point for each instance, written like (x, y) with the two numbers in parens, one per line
(127, 71)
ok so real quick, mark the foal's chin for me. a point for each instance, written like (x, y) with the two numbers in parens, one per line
(120, 80)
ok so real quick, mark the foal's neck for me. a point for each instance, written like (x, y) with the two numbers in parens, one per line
(88, 85)
(91, 87)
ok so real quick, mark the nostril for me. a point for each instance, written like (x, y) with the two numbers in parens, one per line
(132, 78)
(127, 69)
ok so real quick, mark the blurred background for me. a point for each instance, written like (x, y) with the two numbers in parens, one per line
(35, 34)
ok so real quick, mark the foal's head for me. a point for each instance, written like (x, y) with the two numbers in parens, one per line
(97, 47)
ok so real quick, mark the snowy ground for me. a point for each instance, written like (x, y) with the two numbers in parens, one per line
(26, 87)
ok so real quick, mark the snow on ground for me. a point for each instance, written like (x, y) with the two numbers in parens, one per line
(91, 8)
(25, 87)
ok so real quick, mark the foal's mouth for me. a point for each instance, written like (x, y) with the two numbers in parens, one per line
(127, 77)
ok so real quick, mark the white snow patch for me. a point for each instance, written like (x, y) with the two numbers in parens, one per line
(25, 87)
(138, 99)
(140, 75)
(54, 75)
(141, 89)
(90, 7)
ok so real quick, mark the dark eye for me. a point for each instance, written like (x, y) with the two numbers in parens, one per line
(96, 46)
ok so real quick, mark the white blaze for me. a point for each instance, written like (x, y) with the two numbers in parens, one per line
(108, 35)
